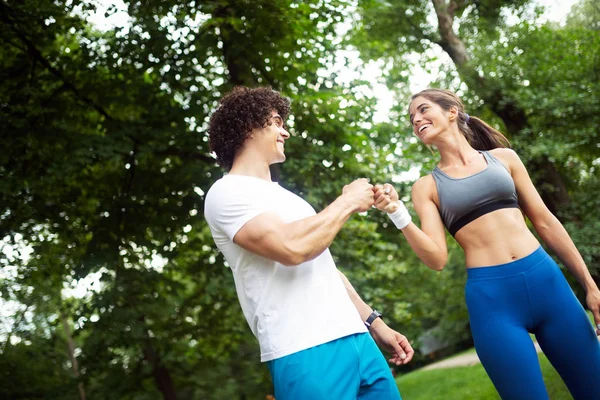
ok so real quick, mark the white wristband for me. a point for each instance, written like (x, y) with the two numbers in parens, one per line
(401, 218)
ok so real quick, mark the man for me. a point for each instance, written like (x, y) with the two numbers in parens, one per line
(310, 322)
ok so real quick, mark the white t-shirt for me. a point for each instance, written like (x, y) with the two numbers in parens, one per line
(288, 308)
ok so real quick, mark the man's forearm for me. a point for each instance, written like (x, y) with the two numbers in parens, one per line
(307, 238)
(363, 308)
(294, 243)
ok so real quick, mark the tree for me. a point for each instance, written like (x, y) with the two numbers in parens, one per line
(107, 163)
(534, 81)
(107, 169)
(460, 26)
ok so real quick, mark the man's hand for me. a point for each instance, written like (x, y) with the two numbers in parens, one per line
(593, 303)
(386, 198)
(392, 341)
(360, 194)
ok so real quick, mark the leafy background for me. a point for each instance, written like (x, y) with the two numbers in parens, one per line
(110, 283)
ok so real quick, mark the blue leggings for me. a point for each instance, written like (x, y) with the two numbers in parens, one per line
(507, 302)
(348, 368)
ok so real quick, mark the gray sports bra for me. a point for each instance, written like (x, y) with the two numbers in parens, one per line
(463, 200)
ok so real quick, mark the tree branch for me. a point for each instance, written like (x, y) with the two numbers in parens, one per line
(455, 5)
(36, 54)
(186, 155)
(10, 42)
(418, 31)
(71, 354)
(15, 326)
(450, 42)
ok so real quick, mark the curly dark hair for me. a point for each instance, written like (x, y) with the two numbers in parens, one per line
(241, 111)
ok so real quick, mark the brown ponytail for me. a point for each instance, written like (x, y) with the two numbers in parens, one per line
(479, 134)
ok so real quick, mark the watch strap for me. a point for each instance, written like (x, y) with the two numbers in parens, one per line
(374, 315)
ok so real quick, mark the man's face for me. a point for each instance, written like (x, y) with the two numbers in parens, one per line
(272, 139)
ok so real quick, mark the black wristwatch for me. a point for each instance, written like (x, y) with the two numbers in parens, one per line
(374, 315)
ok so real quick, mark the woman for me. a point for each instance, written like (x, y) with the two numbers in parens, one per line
(479, 192)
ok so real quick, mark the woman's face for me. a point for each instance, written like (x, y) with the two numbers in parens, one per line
(428, 119)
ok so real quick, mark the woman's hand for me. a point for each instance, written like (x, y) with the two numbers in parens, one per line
(386, 198)
(593, 303)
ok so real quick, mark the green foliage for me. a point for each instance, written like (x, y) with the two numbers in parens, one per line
(552, 71)
(584, 222)
(537, 82)
(556, 85)
(107, 163)
(26, 375)
(106, 172)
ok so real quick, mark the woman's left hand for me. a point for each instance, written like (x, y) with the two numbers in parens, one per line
(593, 303)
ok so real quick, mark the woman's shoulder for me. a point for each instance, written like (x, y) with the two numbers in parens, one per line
(504, 153)
(424, 180)
(423, 185)
(506, 156)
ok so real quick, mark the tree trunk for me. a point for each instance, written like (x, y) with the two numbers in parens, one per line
(161, 375)
(238, 66)
(451, 43)
(549, 182)
(71, 352)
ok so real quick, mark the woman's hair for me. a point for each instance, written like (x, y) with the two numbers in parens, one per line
(480, 135)
(241, 111)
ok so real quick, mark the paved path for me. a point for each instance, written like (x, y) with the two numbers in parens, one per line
(465, 360)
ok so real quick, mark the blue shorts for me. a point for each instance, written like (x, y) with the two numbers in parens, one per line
(348, 368)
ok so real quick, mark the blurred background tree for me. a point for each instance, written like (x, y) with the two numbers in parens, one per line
(110, 283)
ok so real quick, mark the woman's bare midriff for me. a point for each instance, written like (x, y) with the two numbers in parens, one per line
(499, 237)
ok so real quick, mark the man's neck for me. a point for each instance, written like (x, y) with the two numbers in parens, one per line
(251, 166)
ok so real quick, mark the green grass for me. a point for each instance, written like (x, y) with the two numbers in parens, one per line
(464, 383)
